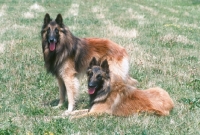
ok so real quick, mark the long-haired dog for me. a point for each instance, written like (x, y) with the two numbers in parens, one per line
(114, 96)
(67, 56)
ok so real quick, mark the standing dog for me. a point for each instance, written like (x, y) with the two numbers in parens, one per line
(67, 56)
(113, 96)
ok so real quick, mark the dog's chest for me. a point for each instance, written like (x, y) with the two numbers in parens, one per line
(68, 68)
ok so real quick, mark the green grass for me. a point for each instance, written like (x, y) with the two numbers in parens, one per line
(161, 37)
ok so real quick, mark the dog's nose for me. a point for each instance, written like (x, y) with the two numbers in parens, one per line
(51, 40)
(91, 84)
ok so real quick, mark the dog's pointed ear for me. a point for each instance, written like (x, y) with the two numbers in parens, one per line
(59, 20)
(105, 66)
(47, 19)
(93, 62)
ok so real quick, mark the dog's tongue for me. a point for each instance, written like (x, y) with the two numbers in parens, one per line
(52, 46)
(91, 90)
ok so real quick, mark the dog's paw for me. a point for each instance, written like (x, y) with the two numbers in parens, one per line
(71, 117)
(58, 106)
(66, 113)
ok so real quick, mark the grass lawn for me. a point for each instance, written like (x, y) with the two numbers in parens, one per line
(160, 36)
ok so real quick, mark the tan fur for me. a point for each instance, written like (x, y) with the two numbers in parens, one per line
(125, 100)
(153, 100)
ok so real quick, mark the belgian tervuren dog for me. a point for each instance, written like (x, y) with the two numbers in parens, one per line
(114, 96)
(67, 56)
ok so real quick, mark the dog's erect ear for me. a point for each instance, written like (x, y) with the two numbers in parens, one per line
(47, 19)
(93, 62)
(105, 66)
(59, 20)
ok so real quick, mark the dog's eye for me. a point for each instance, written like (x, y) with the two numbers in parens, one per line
(88, 71)
(99, 77)
(90, 74)
(56, 30)
(48, 30)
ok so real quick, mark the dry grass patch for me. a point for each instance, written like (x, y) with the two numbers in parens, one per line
(111, 27)
(2, 10)
(172, 10)
(73, 10)
(37, 8)
(134, 15)
(176, 38)
(28, 15)
(2, 47)
(120, 32)
(33, 10)
(148, 9)
(99, 12)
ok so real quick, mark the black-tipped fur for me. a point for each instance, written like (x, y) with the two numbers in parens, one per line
(59, 20)
(67, 46)
(47, 20)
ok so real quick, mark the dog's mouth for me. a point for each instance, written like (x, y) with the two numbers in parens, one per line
(52, 44)
(91, 90)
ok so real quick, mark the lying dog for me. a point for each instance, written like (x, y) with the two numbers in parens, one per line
(115, 97)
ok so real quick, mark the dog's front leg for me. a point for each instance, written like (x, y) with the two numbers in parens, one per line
(72, 85)
(62, 92)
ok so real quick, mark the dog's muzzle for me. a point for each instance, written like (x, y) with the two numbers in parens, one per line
(52, 44)
(51, 40)
(91, 88)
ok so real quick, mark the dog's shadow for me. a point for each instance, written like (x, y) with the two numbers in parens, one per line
(54, 102)
(80, 104)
